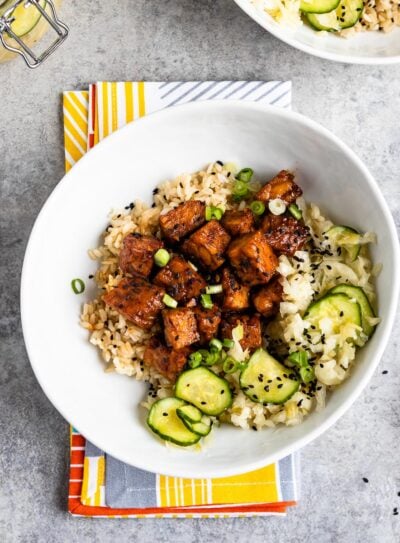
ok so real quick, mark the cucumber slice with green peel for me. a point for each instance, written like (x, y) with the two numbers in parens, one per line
(346, 237)
(26, 18)
(164, 421)
(318, 6)
(265, 380)
(190, 413)
(338, 307)
(205, 390)
(346, 15)
(194, 419)
(366, 309)
(324, 21)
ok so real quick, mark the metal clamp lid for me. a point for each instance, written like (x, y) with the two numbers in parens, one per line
(31, 59)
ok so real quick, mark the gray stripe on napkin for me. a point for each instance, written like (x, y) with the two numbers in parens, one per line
(127, 486)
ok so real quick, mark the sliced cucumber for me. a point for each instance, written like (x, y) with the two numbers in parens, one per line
(26, 18)
(190, 413)
(265, 380)
(325, 21)
(346, 15)
(318, 6)
(346, 237)
(194, 419)
(164, 421)
(366, 309)
(204, 389)
(337, 307)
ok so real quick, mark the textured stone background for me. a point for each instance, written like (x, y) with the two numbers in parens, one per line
(175, 40)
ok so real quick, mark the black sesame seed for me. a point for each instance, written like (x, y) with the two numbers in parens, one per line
(222, 392)
(280, 385)
(91, 276)
(266, 388)
(165, 414)
(254, 428)
(299, 403)
(203, 403)
(251, 386)
(220, 163)
(341, 314)
(385, 372)
(279, 378)
(255, 396)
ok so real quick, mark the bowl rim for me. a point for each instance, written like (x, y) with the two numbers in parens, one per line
(202, 472)
(279, 33)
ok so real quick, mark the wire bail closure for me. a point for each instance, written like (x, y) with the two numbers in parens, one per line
(31, 59)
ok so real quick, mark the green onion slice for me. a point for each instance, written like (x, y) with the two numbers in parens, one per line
(240, 188)
(217, 212)
(216, 344)
(257, 207)
(208, 213)
(230, 365)
(206, 301)
(162, 257)
(245, 175)
(300, 359)
(228, 343)
(169, 301)
(195, 359)
(213, 289)
(295, 211)
(211, 359)
(78, 286)
(277, 206)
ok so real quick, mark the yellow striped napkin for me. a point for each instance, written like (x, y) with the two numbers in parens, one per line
(90, 116)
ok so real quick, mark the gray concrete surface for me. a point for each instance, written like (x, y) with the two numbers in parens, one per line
(185, 39)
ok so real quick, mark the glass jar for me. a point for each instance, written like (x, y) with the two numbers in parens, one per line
(23, 23)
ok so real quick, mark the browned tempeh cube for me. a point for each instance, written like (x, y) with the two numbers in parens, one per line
(180, 279)
(285, 234)
(208, 244)
(282, 186)
(165, 361)
(253, 258)
(238, 222)
(236, 295)
(207, 322)
(180, 327)
(137, 300)
(267, 298)
(137, 254)
(182, 220)
(252, 338)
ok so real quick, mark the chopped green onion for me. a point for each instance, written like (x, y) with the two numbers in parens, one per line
(240, 188)
(216, 344)
(211, 359)
(230, 365)
(295, 211)
(78, 286)
(300, 359)
(245, 175)
(228, 343)
(277, 206)
(257, 207)
(204, 353)
(206, 301)
(213, 289)
(162, 257)
(307, 374)
(169, 301)
(217, 212)
(213, 212)
(195, 359)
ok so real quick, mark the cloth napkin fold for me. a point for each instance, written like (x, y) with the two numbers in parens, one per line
(100, 485)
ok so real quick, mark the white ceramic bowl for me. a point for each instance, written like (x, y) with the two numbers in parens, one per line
(364, 48)
(127, 165)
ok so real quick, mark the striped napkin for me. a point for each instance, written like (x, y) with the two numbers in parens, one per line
(100, 485)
